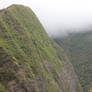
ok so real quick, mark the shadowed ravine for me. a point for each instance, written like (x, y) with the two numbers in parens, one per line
(78, 47)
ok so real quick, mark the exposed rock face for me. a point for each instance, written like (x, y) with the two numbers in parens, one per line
(29, 60)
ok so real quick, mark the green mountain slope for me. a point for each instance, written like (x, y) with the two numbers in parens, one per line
(29, 60)
(79, 48)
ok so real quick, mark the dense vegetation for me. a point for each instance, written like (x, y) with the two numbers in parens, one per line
(29, 60)
(79, 49)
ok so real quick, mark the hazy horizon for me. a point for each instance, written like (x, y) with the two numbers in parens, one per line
(59, 16)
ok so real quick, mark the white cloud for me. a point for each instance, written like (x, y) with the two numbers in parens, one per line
(58, 14)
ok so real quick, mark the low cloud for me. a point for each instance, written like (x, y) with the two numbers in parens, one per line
(59, 16)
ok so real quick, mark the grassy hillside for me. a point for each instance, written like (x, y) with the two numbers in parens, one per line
(79, 48)
(29, 60)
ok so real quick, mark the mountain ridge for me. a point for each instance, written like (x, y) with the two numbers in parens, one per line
(29, 60)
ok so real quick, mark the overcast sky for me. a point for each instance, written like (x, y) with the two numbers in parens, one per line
(58, 15)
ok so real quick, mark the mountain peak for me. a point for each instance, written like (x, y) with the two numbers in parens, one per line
(29, 60)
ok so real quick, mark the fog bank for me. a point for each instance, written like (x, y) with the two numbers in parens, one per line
(59, 16)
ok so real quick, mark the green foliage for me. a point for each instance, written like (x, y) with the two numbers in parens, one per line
(6, 75)
(79, 49)
(29, 59)
(2, 88)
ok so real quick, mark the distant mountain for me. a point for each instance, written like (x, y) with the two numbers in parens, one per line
(79, 49)
(29, 60)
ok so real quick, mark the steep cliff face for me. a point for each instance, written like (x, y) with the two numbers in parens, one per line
(29, 60)
(78, 47)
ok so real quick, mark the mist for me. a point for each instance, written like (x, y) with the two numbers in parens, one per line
(59, 17)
